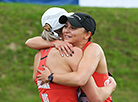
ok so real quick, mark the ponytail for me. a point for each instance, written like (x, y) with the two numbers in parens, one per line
(47, 33)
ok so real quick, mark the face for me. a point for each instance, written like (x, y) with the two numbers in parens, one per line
(73, 35)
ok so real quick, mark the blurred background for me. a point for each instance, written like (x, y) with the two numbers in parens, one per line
(117, 33)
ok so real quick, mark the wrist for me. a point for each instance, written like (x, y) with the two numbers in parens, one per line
(53, 42)
(50, 78)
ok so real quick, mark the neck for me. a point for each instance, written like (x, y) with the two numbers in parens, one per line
(81, 45)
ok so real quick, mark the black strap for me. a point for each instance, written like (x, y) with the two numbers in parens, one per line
(43, 57)
(82, 95)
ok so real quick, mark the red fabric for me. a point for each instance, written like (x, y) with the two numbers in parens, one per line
(54, 92)
(100, 79)
(86, 46)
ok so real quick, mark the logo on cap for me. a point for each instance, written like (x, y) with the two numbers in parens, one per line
(77, 16)
(71, 16)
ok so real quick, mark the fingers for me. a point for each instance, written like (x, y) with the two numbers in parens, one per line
(113, 82)
(66, 49)
(38, 77)
(44, 67)
(111, 78)
(42, 83)
(70, 46)
(60, 51)
(43, 76)
(40, 71)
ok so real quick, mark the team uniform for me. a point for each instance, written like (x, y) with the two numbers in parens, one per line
(100, 80)
(52, 92)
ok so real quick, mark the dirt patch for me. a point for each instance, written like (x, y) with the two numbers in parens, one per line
(12, 46)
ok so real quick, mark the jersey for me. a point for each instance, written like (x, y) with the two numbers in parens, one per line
(52, 92)
(100, 80)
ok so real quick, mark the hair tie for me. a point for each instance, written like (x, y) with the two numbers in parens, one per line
(56, 34)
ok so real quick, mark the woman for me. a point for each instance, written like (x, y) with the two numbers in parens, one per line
(78, 31)
(76, 84)
(48, 57)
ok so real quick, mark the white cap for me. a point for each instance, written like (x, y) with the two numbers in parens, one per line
(51, 16)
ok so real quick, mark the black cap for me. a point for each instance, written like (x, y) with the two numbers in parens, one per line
(79, 20)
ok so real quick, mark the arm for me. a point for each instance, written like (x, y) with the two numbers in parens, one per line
(71, 63)
(93, 93)
(86, 68)
(36, 64)
(98, 94)
(38, 43)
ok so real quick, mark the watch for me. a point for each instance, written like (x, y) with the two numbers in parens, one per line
(50, 78)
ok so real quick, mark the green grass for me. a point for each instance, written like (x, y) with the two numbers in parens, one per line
(116, 32)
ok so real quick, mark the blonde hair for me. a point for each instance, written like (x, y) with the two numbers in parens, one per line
(47, 33)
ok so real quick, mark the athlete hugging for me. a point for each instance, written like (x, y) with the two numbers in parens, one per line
(58, 75)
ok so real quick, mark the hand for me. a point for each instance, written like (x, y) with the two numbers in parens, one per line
(112, 82)
(44, 75)
(64, 48)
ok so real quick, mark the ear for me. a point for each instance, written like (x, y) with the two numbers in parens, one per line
(87, 35)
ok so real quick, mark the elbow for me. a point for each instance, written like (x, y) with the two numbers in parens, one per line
(80, 81)
(96, 99)
(99, 99)
(26, 43)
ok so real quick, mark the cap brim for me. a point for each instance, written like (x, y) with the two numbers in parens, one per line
(73, 21)
(63, 19)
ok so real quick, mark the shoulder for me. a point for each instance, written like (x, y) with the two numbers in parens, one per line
(93, 45)
(77, 52)
(76, 57)
(37, 55)
(74, 60)
(93, 48)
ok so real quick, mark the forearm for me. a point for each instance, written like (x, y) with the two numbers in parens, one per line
(78, 78)
(107, 90)
(92, 91)
(38, 43)
(98, 94)
(70, 79)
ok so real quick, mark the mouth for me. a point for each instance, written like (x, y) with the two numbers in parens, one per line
(67, 37)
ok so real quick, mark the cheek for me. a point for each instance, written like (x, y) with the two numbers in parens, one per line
(77, 34)
(63, 30)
